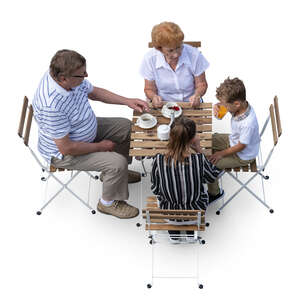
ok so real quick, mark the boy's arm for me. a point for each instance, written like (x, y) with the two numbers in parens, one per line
(229, 151)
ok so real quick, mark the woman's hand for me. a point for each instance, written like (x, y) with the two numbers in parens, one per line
(195, 100)
(216, 108)
(157, 101)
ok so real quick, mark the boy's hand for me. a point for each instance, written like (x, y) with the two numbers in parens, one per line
(216, 157)
(216, 108)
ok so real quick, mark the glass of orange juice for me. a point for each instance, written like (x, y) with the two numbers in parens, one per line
(222, 112)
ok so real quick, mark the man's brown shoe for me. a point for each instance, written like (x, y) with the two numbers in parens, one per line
(133, 176)
(120, 209)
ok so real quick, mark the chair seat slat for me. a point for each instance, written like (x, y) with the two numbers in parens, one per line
(159, 215)
(174, 227)
(172, 211)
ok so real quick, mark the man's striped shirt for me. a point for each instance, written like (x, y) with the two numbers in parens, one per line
(59, 112)
(181, 186)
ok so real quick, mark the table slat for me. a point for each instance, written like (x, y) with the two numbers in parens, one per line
(153, 152)
(200, 128)
(153, 136)
(162, 144)
(187, 113)
(163, 120)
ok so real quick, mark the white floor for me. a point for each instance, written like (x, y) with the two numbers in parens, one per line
(68, 253)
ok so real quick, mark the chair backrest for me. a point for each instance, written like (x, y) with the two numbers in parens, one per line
(27, 112)
(157, 219)
(194, 44)
(275, 121)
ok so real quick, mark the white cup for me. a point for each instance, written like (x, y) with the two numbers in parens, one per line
(145, 120)
(163, 132)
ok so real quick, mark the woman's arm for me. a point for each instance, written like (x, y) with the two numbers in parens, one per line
(151, 93)
(200, 89)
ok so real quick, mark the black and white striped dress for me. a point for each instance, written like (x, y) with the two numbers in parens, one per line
(181, 186)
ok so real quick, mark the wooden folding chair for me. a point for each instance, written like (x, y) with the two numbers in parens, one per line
(158, 223)
(260, 168)
(27, 113)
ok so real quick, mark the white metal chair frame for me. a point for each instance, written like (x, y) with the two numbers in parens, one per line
(156, 223)
(49, 169)
(277, 131)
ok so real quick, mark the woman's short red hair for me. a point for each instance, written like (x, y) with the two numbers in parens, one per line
(167, 34)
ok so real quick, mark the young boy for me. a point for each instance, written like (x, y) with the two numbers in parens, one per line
(240, 147)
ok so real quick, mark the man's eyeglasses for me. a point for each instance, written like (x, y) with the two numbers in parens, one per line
(80, 76)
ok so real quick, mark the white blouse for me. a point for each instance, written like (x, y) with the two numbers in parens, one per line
(175, 85)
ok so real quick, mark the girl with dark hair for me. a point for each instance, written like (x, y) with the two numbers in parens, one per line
(178, 177)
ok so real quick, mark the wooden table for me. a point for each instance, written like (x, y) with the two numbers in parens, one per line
(144, 142)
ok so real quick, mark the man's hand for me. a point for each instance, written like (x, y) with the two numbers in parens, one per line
(68, 147)
(216, 157)
(138, 105)
(157, 101)
(195, 100)
(106, 146)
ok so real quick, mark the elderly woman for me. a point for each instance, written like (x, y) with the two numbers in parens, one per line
(173, 71)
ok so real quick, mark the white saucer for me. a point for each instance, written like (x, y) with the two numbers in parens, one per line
(166, 112)
(154, 122)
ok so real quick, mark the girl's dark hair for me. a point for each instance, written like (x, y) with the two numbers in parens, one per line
(183, 130)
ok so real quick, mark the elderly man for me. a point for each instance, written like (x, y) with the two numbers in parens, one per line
(70, 135)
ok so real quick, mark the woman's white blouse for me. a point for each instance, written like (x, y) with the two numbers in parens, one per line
(175, 85)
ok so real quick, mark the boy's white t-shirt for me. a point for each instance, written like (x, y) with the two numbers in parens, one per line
(244, 129)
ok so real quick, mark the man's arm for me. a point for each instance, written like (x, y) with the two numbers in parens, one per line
(68, 147)
(99, 94)
(229, 151)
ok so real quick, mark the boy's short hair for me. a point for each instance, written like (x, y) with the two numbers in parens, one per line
(232, 90)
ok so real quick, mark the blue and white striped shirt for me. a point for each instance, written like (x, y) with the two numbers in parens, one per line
(59, 112)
